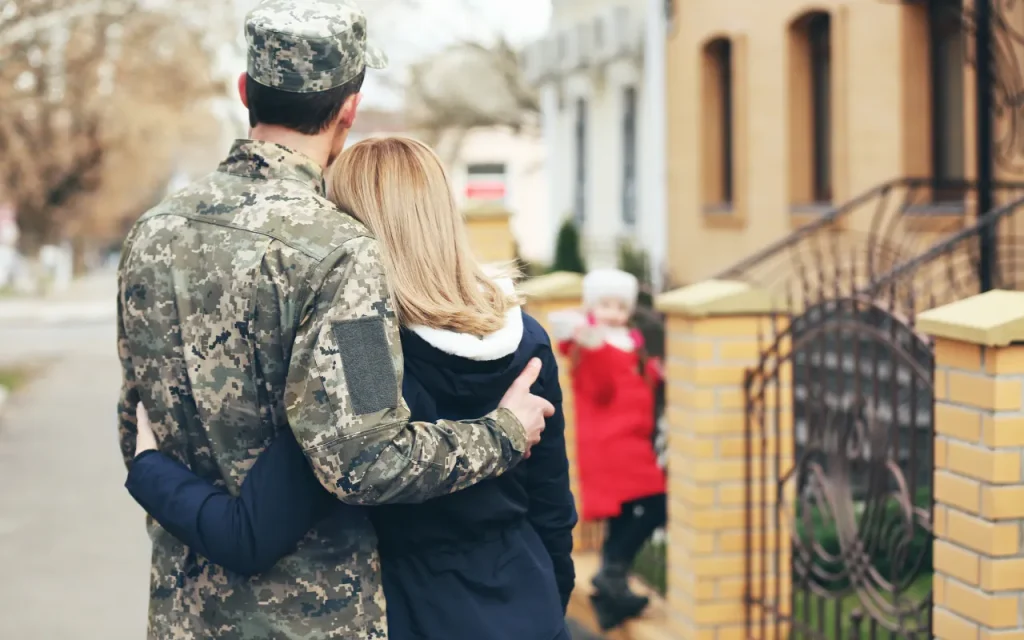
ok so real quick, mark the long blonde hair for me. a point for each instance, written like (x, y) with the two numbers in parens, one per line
(398, 188)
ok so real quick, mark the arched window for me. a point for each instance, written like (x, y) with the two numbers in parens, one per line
(718, 124)
(810, 109)
(946, 38)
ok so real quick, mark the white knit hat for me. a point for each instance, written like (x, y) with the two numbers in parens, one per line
(610, 283)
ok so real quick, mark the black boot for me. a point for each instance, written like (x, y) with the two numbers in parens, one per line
(613, 601)
(612, 580)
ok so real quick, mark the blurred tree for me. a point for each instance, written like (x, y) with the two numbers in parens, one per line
(567, 249)
(635, 260)
(469, 86)
(97, 98)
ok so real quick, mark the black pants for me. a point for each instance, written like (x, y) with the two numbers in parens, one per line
(628, 531)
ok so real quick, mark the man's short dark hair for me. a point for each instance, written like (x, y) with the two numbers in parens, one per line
(308, 113)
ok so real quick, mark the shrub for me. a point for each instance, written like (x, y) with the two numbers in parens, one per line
(567, 249)
(634, 260)
(826, 535)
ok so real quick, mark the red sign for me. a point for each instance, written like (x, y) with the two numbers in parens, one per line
(485, 190)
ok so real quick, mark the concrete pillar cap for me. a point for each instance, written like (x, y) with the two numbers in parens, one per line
(992, 319)
(718, 298)
(560, 285)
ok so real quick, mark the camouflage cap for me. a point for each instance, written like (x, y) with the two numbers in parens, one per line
(305, 46)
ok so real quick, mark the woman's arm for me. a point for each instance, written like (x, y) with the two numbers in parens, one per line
(280, 500)
(552, 509)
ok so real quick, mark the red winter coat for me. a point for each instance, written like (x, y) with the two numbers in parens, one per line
(614, 428)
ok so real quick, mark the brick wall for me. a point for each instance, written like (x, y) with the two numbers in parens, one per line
(979, 486)
(490, 234)
(712, 340)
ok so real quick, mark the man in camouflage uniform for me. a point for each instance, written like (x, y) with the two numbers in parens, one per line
(248, 302)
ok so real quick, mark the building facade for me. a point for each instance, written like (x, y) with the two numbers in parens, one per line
(601, 78)
(782, 110)
(490, 168)
(497, 167)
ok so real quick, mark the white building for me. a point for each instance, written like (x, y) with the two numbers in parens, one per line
(487, 166)
(496, 165)
(601, 74)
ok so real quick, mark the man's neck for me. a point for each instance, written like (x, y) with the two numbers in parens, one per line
(316, 148)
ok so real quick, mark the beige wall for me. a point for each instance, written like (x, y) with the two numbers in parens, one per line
(880, 120)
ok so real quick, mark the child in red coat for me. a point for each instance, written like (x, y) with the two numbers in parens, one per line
(620, 479)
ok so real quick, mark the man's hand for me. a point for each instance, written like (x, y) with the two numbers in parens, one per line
(145, 440)
(529, 409)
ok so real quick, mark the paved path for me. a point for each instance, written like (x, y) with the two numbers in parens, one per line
(579, 633)
(73, 549)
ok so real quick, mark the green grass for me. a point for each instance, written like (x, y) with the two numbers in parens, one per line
(810, 615)
(12, 378)
(650, 566)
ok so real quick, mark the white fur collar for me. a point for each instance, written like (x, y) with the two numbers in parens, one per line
(494, 346)
(621, 339)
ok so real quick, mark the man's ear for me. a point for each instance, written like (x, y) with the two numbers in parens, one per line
(348, 110)
(241, 91)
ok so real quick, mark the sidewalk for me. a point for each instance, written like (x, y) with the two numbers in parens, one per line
(73, 544)
(91, 298)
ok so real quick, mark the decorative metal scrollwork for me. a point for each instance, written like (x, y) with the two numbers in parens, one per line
(1007, 62)
(855, 499)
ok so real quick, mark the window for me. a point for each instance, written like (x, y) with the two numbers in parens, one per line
(486, 169)
(818, 32)
(947, 97)
(629, 156)
(810, 117)
(718, 123)
(580, 198)
(486, 182)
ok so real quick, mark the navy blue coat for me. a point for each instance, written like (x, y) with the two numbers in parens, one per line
(492, 561)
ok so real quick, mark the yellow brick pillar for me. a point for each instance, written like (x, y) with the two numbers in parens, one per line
(546, 294)
(712, 340)
(979, 488)
(490, 234)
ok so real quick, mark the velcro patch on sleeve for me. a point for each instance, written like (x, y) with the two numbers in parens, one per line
(366, 362)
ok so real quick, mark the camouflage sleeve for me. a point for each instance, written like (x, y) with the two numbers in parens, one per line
(345, 405)
(129, 397)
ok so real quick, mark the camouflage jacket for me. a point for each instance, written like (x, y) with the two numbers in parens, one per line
(249, 303)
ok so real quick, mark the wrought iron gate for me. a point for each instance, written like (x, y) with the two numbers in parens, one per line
(839, 542)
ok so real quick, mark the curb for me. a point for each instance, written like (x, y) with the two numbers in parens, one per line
(57, 313)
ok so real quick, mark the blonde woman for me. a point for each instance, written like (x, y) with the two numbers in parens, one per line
(490, 562)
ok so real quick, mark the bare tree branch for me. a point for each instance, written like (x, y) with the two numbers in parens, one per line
(96, 99)
(469, 86)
